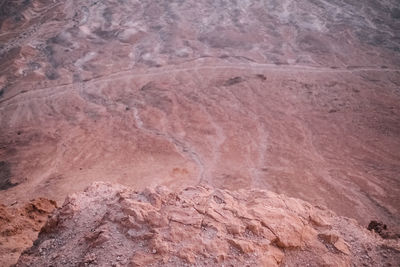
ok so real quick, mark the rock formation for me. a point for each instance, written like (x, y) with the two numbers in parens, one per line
(19, 227)
(112, 225)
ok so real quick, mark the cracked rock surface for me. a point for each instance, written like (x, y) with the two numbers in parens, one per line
(112, 225)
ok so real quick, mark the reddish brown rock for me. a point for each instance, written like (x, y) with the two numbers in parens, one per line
(260, 229)
(19, 227)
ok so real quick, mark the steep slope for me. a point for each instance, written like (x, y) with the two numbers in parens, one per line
(297, 97)
(112, 225)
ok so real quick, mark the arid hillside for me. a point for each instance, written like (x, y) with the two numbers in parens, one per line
(295, 97)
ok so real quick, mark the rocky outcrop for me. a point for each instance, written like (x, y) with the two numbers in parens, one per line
(112, 225)
(19, 226)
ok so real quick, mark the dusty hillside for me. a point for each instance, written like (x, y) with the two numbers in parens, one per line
(19, 227)
(297, 97)
(111, 225)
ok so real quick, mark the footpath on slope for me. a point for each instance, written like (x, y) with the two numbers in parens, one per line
(213, 66)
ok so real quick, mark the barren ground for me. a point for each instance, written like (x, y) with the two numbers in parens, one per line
(297, 97)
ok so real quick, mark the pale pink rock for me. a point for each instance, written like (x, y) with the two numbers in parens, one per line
(200, 226)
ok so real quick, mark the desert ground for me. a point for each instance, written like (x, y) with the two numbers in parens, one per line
(301, 98)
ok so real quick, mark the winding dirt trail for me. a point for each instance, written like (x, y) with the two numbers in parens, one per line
(237, 66)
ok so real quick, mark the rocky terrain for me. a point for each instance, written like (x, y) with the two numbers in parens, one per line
(300, 98)
(19, 227)
(112, 225)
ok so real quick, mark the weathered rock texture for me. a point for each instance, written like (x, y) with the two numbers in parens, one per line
(19, 227)
(111, 225)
